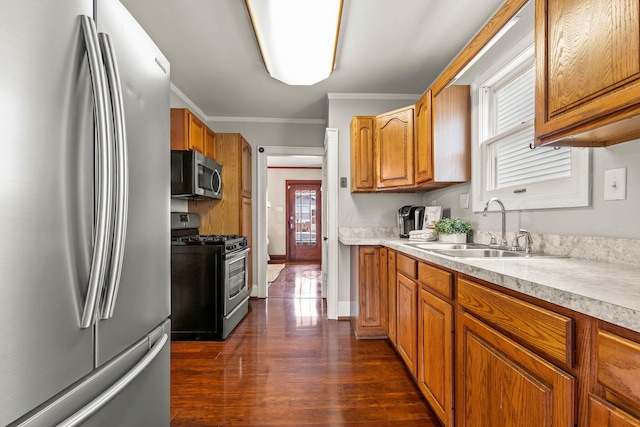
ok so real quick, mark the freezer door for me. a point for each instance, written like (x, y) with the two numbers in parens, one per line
(143, 298)
(132, 390)
(46, 186)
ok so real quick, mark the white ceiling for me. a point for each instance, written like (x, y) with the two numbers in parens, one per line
(385, 46)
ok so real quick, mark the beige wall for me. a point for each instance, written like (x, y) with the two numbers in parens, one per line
(276, 222)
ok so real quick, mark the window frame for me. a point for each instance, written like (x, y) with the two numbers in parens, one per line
(577, 189)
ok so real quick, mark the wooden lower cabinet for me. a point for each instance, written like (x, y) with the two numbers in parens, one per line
(604, 414)
(368, 315)
(501, 383)
(435, 353)
(407, 322)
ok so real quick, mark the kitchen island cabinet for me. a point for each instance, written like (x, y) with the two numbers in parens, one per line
(587, 78)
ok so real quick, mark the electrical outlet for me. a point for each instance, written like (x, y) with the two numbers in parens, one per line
(615, 184)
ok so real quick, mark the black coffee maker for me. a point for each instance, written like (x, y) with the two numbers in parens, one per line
(410, 218)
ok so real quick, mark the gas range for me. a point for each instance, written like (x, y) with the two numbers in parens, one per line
(185, 231)
(230, 242)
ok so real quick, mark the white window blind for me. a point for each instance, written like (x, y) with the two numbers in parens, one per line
(514, 163)
(524, 178)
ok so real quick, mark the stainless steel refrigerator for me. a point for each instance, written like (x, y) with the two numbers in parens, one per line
(84, 217)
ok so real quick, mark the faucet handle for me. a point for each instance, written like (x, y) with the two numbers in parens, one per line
(493, 241)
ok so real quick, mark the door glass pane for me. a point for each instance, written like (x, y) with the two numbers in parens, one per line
(305, 201)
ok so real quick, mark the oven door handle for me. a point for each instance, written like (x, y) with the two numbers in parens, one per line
(236, 255)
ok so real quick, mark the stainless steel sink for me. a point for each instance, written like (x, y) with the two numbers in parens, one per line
(475, 250)
(481, 253)
(439, 245)
(491, 253)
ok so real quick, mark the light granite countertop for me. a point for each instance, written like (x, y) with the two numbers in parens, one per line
(604, 290)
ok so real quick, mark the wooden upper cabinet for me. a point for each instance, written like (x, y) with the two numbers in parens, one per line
(587, 71)
(245, 190)
(190, 133)
(423, 140)
(443, 137)
(393, 146)
(210, 143)
(362, 160)
(452, 135)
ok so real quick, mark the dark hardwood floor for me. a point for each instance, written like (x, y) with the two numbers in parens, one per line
(286, 364)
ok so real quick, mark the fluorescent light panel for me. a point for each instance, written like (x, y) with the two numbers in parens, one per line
(297, 38)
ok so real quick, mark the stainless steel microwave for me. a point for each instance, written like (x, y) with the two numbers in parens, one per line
(195, 176)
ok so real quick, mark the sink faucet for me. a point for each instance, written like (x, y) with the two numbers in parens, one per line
(503, 241)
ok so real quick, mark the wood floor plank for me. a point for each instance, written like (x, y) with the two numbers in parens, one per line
(287, 365)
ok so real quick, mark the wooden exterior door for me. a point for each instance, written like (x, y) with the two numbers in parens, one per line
(304, 221)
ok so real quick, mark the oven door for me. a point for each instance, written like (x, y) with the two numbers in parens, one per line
(236, 275)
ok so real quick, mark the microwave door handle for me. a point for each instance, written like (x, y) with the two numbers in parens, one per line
(121, 177)
(102, 146)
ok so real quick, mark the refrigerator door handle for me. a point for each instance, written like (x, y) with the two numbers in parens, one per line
(106, 396)
(103, 146)
(121, 178)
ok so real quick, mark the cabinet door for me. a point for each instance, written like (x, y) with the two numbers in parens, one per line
(245, 191)
(369, 287)
(196, 133)
(604, 414)
(407, 334)
(392, 278)
(362, 172)
(424, 140)
(501, 383)
(393, 144)
(209, 143)
(435, 354)
(588, 64)
(452, 134)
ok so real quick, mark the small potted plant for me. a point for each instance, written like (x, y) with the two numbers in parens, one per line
(453, 230)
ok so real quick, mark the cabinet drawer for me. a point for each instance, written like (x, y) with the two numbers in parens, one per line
(619, 365)
(543, 330)
(436, 279)
(603, 414)
(406, 266)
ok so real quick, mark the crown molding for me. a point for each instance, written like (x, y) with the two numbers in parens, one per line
(322, 122)
(384, 96)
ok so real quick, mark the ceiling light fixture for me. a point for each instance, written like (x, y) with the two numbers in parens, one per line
(297, 38)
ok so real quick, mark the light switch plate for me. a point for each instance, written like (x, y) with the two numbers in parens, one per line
(615, 184)
(464, 201)
(343, 182)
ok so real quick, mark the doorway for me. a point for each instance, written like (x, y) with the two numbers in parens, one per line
(304, 221)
